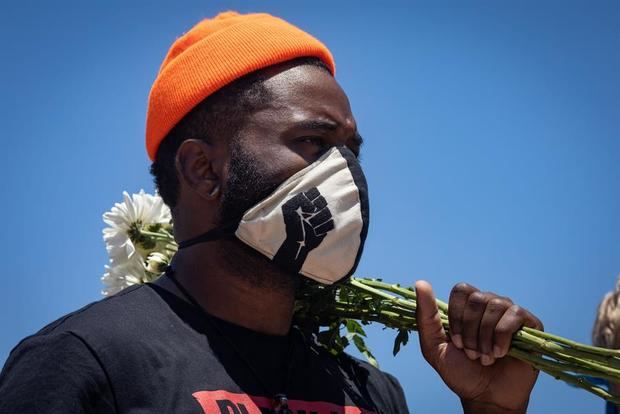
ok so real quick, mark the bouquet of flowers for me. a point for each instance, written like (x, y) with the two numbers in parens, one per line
(140, 243)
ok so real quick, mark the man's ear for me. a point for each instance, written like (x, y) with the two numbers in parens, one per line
(194, 161)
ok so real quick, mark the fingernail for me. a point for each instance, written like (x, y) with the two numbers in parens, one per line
(497, 351)
(457, 340)
(486, 359)
(473, 355)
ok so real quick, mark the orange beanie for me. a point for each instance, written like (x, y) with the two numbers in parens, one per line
(214, 53)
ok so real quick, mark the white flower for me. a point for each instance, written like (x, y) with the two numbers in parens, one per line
(141, 208)
(118, 277)
(157, 262)
(127, 261)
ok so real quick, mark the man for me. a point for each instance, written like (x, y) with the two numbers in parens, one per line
(254, 148)
(606, 333)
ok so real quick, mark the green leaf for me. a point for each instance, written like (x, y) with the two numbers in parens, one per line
(332, 340)
(360, 344)
(401, 339)
(354, 326)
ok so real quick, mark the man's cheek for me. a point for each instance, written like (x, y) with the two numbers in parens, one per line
(285, 164)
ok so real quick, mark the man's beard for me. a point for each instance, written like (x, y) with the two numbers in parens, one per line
(248, 184)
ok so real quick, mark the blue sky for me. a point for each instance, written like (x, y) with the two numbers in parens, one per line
(492, 152)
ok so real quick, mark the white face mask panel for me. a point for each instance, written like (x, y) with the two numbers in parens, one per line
(315, 223)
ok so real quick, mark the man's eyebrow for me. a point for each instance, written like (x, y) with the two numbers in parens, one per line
(316, 124)
(326, 125)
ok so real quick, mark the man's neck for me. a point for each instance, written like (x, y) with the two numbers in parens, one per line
(235, 285)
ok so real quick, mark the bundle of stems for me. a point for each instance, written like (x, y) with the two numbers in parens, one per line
(325, 310)
(394, 306)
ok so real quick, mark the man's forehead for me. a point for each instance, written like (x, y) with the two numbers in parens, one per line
(314, 81)
(306, 94)
(304, 115)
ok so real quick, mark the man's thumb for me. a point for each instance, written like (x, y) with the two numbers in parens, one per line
(431, 332)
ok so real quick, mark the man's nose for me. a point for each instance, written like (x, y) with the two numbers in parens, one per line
(345, 131)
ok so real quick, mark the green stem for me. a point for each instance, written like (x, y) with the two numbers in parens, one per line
(557, 350)
(573, 344)
(158, 236)
(407, 313)
(577, 381)
(380, 294)
(569, 354)
(173, 247)
(408, 293)
(574, 366)
(395, 307)
(387, 319)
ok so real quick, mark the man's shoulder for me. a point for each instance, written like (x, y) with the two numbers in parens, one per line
(115, 325)
(64, 355)
(372, 372)
(111, 317)
(376, 381)
(362, 373)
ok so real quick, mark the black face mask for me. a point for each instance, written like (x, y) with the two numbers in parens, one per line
(314, 223)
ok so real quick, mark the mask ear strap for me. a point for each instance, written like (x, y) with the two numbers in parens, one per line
(222, 232)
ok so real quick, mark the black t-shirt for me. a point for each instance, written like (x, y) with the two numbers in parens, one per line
(144, 350)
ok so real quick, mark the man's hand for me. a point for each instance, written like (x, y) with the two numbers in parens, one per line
(472, 361)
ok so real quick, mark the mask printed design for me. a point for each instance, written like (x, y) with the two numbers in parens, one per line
(307, 220)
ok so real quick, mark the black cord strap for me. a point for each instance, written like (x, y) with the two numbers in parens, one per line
(221, 232)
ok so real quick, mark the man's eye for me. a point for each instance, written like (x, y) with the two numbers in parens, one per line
(319, 142)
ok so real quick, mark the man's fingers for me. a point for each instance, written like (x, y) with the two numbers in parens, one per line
(482, 324)
(472, 316)
(511, 321)
(456, 308)
(495, 308)
(431, 332)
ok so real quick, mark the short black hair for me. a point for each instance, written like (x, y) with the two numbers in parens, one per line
(219, 116)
